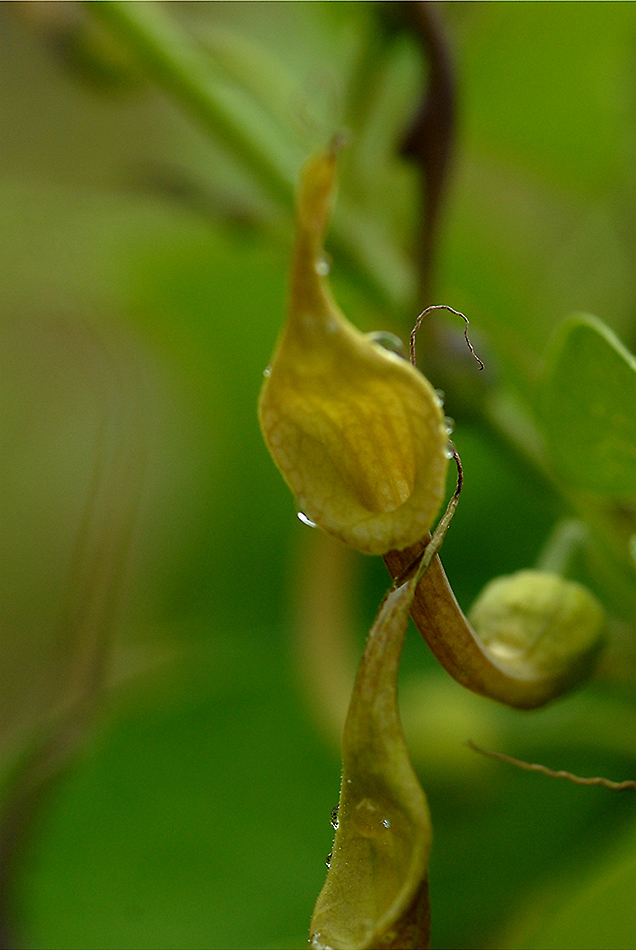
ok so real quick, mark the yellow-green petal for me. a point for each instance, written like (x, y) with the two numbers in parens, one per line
(357, 433)
(376, 892)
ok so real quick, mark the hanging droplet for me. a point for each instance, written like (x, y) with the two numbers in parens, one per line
(450, 425)
(366, 818)
(267, 371)
(450, 451)
(334, 817)
(328, 859)
(323, 267)
(305, 520)
(388, 341)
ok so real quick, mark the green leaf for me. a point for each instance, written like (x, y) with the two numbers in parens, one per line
(589, 408)
(597, 914)
(376, 892)
(231, 114)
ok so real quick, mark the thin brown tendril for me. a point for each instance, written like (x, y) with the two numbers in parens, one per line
(442, 306)
(428, 553)
(460, 472)
(533, 767)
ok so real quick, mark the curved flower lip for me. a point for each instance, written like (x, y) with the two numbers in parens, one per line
(376, 891)
(358, 433)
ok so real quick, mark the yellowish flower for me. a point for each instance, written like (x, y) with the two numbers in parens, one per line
(357, 432)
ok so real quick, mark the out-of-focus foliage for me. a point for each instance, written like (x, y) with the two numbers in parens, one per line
(199, 814)
(590, 389)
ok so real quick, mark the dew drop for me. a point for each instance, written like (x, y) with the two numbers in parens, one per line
(328, 859)
(323, 267)
(450, 451)
(267, 371)
(386, 822)
(334, 817)
(388, 341)
(305, 520)
(441, 395)
(366, 818)
(450, 425)
(317, 944)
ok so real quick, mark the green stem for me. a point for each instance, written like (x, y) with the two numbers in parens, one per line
(178, 66)
(187, 72)
(562, 546)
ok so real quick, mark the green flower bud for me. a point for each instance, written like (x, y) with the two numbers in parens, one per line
(537, 621)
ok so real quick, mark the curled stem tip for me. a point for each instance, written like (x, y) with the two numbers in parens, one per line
(529, 637)
(425, 554)
(442, 306)
(544, 770)
(460, 473)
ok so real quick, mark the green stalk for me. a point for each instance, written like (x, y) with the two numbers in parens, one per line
(175, 62)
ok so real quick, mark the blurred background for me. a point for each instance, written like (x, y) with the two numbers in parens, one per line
(176, 648)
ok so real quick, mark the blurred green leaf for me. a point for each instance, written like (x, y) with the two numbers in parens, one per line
(230, 113)
(197, 819)
(596, 913)
(589, 409)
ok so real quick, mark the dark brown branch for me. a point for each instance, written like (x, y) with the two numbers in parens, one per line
(429, 142)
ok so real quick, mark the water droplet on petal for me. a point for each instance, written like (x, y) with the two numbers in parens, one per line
(317, 944)
(450, 425)
(366, 818)
(334, 817)
(328, 859)
(441, 395)
(305, 520)
(322, 267)
(386, 822)
(267, 371)
(450, 451)
(388, 341)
